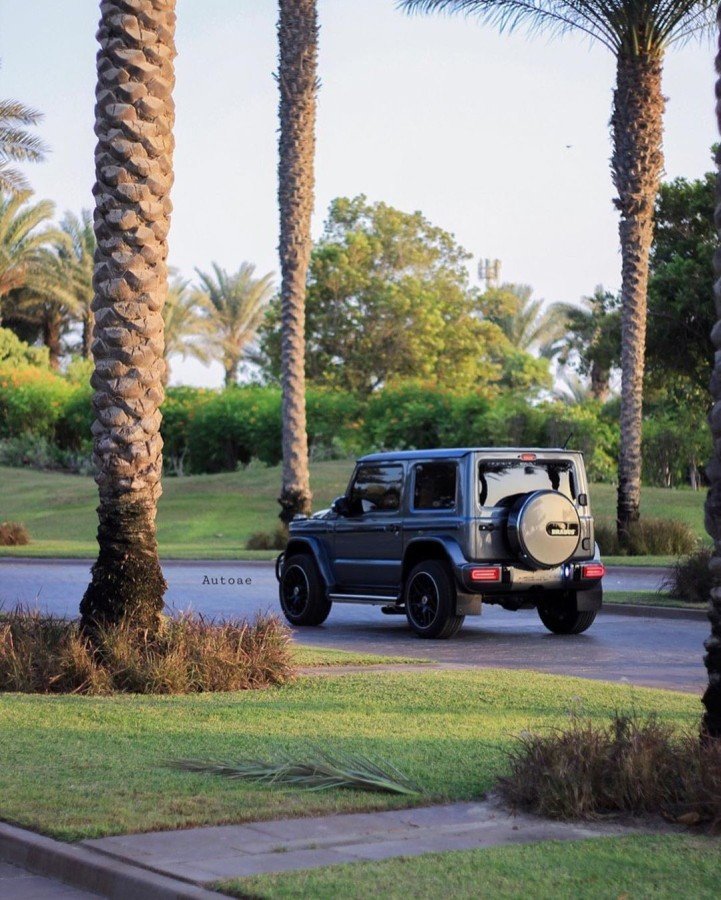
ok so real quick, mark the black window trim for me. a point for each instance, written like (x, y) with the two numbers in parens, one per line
(381, 512)
(430, 462)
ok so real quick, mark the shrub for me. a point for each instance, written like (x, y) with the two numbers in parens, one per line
(40, 453)
(335, 421)
(15, 352)
(43, 654)
(235, 426)
(648, 537)
(412, 416)
(691, 577)
(72, 428)
(673, 447)
(630, 765)
(268, 540)
(31, 401)
(13, 534)
(585, 429)
(181, 404)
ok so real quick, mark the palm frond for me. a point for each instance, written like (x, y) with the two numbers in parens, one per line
(318, 771)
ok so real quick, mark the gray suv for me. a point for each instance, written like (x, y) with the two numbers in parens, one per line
(430, 534)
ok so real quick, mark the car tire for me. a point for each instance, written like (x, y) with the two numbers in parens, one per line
(566, 620)
(302, 593)
(430, 601)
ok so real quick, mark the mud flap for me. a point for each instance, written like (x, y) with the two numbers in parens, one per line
(468, 604)
(590, 599)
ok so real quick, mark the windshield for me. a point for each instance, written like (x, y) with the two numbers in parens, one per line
(502, 479)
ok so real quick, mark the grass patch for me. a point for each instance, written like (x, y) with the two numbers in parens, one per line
(77, 767)
(317, 656)
(213, 516)
(665, 867)
(647, 598)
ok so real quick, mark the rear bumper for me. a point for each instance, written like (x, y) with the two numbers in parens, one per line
(514, 579)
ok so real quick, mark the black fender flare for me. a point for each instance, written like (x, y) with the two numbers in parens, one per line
(451, 550)
(313, 547)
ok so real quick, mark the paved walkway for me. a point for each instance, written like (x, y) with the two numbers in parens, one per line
(18, 884)
(207, 855)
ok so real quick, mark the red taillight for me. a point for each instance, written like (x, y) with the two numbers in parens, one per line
(593, 570)
(487, 573)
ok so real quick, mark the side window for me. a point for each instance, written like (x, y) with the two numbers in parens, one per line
(377, 488)
(435, 486)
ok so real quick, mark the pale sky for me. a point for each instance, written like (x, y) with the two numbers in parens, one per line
(433, 113)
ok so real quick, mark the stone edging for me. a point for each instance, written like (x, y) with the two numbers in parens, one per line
(655, 612)
(91, 871)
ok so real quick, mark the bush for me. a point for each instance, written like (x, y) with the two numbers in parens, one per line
(631, 765)
(648, 537)
(674, 446)
(31, 401)
(181, 404)
(13, 534)
(691, 577)
(40, 453)
(335, 420)
(15, 352)
(235, 426)
(268, 540)
(72, 428)
(412, 416)
(43, 654)
(585, 429)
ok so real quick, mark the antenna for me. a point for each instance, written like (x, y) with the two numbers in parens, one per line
(489, 270)
(567, 441)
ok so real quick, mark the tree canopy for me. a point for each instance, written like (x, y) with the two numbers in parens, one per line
(389, 298)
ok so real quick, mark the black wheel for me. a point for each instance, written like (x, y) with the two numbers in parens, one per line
(430, 598)
(302, 594)
(566, 620)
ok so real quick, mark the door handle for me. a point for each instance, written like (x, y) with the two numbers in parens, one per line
(394, 529)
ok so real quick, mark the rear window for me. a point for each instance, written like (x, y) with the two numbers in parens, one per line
(501, 480)
(435, 486)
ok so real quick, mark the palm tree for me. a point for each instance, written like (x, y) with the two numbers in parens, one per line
(638, 33)
(186, 328)
(234, 305)
(16, 144)
(527, 324)
(298, 85)
(134, 116)
(24, 236)
(711, 725)
(77, 255)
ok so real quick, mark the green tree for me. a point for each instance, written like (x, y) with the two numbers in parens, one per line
(234, 305)
(528, 324)
(638, 33)
(680, 310)
(77, 257)
(298, 88)
(592, 344)
(25, 235)
(186, 325)
(17, 145)
(389, 299)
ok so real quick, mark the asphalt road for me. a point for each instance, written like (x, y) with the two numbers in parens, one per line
(641, 650)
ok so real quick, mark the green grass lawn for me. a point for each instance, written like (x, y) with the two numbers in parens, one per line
(647, 598)
(668, 866)
(320, 656)
(78, 767)
(212, 516)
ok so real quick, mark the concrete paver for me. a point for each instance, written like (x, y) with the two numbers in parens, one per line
(233, 851)
(19, 884)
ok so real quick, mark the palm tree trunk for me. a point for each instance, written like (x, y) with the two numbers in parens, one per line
(87, 334)
(711, 725)
(637, 164)
(600, 378)
(298, 83)
(134, 120)
(52, 326)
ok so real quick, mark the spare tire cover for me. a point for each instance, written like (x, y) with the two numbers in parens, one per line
(544, 528)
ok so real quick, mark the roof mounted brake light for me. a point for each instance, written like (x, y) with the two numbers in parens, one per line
(527, 457)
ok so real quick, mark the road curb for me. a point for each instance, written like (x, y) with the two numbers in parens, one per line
(655, 612)
(91, 871)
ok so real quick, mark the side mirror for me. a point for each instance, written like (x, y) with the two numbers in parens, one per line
(340, 506)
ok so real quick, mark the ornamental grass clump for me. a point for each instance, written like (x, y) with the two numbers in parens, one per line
(691, 578)
(13, 534)
(632, 765)
(189, 654)
(648, 537)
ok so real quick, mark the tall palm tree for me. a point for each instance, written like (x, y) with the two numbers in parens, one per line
(77, 256)
(234, 306)
(16, 144)
(186, 328)
(298, 85)
(134, 116)
(638, 33)
(712, 697)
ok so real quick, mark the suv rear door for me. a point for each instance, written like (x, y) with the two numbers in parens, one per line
(368, 543)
